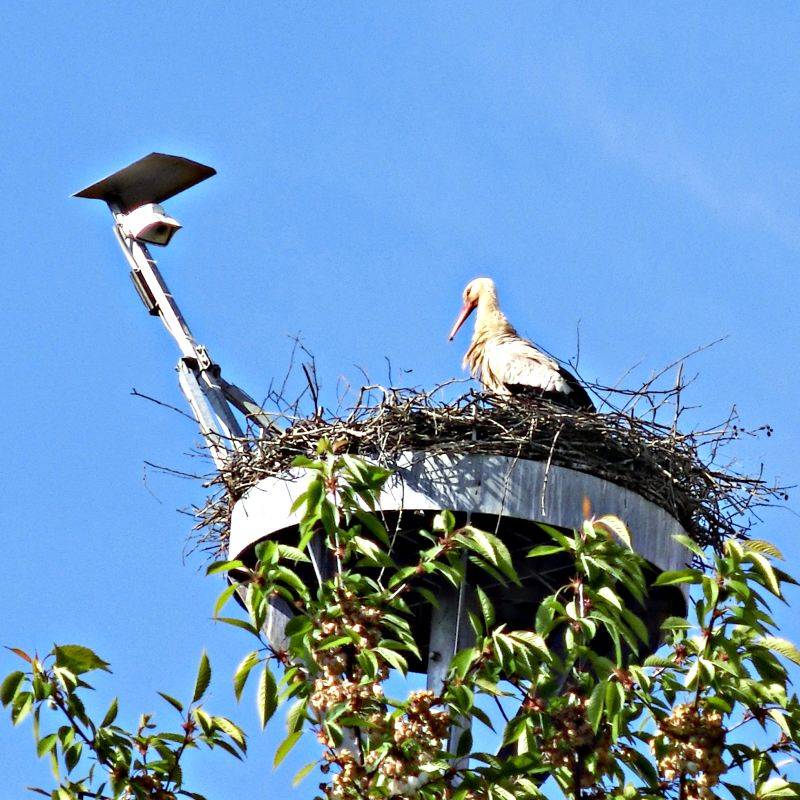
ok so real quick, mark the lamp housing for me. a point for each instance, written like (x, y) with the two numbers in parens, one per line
(149, 223)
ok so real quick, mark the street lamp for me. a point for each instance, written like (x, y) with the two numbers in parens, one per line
(134, 195)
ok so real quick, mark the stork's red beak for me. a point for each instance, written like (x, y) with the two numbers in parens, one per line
(466, 310)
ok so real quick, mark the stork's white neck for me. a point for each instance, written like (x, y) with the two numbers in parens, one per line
(489, 319)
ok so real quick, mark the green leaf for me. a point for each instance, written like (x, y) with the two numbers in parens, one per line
(616, 526)
(233, 730)
(373, 525)
(176, 704)
(775, 788)
(556, 534)
(204, 720)
(673, 576)
(715, 701)
(286, 745)
(372, 552)
(243, 672)
(267, 696)
(492, 548)
(639, 628)
(460, 663)
(291, 579)
(676, 624)
(72, 755)
(767, 573)
(303, 772)
(610, 596)
(223, 566)
(660, 662)
(689, 544)
(223, 598)
(68, 679)
(444, 521)
(46, 744)
(336, 642)
(489, 687)
(395, 659)
(614, 698)
(239, 623)
(780, 646)
(464, 746)
(594, 708)
(298, 625)
(9, 687)
(267, 553)
(203, 677)
(641, 765)
(690, 679)
(545, 550)
(295, 716)
(223, 745)
(429, 596)
(314, 494)
(305, 461)
(292, 553)
(111, 714)
(763, 547)
(780, 721)
(530, 639)
(487, 609)
(21, 707)
(78, 659)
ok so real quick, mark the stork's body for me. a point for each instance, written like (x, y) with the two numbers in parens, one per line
(504, 362)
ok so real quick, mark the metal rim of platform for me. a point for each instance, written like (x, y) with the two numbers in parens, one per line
(476, 483)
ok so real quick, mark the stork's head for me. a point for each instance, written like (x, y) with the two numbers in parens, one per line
(475, 291)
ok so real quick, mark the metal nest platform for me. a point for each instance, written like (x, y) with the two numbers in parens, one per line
(674, 472)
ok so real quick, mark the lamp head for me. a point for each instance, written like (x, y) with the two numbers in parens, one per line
(134, 193)
(149, 223)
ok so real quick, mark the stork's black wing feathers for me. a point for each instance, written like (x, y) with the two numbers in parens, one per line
(578, 398)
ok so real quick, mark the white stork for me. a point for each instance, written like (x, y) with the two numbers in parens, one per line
(504, 362)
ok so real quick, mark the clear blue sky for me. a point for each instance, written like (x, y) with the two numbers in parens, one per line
(635, 168)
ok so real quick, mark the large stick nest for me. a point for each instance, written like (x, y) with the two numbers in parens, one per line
(678, 471)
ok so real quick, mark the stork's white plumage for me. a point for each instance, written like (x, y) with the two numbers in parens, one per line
(504, 362)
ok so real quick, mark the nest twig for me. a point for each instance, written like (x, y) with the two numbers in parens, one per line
(624, 443)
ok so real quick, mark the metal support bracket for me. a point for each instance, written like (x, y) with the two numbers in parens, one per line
(208, 394)
(252, 411)
(198, 402)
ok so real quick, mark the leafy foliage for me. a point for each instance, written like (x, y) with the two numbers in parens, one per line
(102, 760)
(595, 712)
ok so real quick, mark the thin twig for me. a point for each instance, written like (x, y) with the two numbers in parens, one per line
(135, 393)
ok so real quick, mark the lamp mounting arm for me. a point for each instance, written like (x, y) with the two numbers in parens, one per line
(199, 376)
(133, 195)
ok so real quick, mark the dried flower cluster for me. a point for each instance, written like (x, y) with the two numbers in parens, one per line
(567, 731)
(690, 742)
(416, 737)
(570, 730)
(416, 732)
(333, 686)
